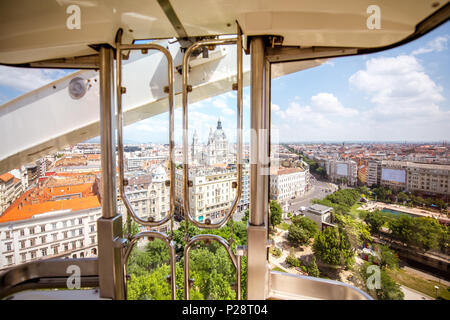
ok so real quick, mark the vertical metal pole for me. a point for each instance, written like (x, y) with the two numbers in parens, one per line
(257, 266)
(266, 142)
(109, 226)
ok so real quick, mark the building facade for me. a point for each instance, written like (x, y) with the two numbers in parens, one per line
(211, 194)
(345, 171)
(287, 183)
(50, 221)
(10, 190)
(425, 178)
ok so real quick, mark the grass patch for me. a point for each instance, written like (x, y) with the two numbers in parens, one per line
(283, 226)
(354, 212)
(414, 281)
(278, 269)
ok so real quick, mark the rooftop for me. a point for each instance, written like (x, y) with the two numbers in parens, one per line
(6, 177)
(44, 199)
(318, 208)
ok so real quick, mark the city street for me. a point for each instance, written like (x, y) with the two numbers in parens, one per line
(317, 191)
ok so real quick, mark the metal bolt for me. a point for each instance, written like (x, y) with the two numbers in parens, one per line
(189, 88)
(234, 184)
(190, 183)
(167, 183)
(123, 90)
(234, 86)
(166, 89)
(144, 51)
(125, 182)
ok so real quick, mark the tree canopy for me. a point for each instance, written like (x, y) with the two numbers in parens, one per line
(332, 246)
(275, 213)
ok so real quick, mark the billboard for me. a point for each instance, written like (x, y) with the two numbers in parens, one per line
(393, 175)
(342, 169)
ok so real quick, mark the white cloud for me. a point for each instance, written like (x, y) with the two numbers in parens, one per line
(403, 103)
(27, 79)
(328, 104)
(436, 45)
(399, 88)
(228, 111)
(219, 103)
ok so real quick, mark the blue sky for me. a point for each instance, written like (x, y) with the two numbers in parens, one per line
(397, 95)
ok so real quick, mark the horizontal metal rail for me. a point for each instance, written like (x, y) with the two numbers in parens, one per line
(46, 274)
(286, 286)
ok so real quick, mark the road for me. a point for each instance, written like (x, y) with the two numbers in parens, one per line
(411, 294)
(317, 191)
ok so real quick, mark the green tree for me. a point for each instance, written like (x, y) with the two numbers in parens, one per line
(388, 289)
(306, 224)
(275, 213)
(297, 235)
(333, 247)
(151, 286)
(245, 217)
(356, 231)
(422, 232)
(213, 273)
(312, 268)
(158, 253)
(374, 220)
(402, 197)
(382, 193)
(292, 260)
(387, 257)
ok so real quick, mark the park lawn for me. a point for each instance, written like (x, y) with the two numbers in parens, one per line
(283, 226)
(354, 212)
(420, 284)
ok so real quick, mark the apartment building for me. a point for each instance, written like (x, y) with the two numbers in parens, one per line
(10, 190)
(211, 194)
(47, 222)
(287, 183)
(427, 178)
(149, 196)
(342, 170)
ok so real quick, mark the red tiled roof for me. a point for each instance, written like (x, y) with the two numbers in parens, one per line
(6, 177)
(39, 200)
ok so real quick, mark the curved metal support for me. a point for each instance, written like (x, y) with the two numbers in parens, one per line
(120, 91)
(236, 260)
(51, 273)
(286, 286)
(186, 199)
(170, 244)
